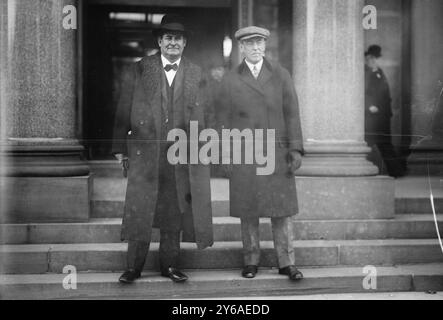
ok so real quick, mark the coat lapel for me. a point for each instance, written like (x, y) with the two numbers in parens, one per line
(247, 77)
(152, 79)
(178, 82)
(265, 74)
(190, 88)
(164, 83)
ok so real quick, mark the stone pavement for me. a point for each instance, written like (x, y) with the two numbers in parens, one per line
(351, 296)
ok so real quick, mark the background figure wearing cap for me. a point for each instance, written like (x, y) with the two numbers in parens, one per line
(378, 115)
(168, 92)
(259, 94)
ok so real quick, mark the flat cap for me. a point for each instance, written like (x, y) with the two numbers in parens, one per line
(251, 32)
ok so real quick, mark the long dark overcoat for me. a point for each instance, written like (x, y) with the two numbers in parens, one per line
(377, 93)
(137, 134)
(269, 102)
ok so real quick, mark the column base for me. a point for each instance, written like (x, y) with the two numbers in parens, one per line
(44, 180)
(347, 159)
(342, 198)
(44, 158)
(45, 199)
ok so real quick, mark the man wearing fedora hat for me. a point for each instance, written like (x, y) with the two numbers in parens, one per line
(378, 113)
(167, 93)
(259, 94)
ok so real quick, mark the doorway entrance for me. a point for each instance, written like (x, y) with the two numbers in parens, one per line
(115, 36)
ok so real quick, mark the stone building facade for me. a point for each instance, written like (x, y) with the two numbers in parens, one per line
(44, 81)
(62, 193)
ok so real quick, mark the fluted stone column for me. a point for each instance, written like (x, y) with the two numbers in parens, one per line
(427, 85)
(336, 181)
(3, 78)
(47, 176)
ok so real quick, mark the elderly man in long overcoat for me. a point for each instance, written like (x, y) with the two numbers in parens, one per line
(259, 94)
(167, 93)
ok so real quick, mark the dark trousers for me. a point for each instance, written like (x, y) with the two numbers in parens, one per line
(168, 218)
(168, 252)
(282, 234)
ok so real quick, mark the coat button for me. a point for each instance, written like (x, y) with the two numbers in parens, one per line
(139, 152)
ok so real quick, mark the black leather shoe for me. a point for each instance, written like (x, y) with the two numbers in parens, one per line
(292, 272)
(129, 276)
(175, 275)
(249, 272)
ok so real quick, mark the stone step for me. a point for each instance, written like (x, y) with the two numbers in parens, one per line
(412, 197)
(228, 229)
(412, 194)
(220, 208)
(114, 209)
(224, 283)
(109, 195)
(105, 168)
(41, 258)
(418, 205)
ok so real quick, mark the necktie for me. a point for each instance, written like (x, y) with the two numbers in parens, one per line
(170, 67)
(255, 72)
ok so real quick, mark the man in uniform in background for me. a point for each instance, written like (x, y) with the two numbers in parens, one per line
(378, 114)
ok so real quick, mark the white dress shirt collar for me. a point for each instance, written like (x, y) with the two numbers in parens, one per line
(170, 75)
(166, 61)
(258, 65)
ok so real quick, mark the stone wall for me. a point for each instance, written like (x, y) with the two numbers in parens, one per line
(42, 66)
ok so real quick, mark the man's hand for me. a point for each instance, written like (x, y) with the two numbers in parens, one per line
(294, 160)
(124, 161)
(373, 109)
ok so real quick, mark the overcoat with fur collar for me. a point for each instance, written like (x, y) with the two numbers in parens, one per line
(137, 134)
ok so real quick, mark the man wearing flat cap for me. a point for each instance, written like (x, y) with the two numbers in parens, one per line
(259, 94)
(167, 93)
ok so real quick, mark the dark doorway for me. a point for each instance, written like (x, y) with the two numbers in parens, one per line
(117, 36)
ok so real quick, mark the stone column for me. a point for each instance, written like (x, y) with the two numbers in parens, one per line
(427, 79)
(336, 181)
(47, 178)
(3, 83)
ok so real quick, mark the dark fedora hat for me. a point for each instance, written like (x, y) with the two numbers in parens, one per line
(171, 23)
(374, 51)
